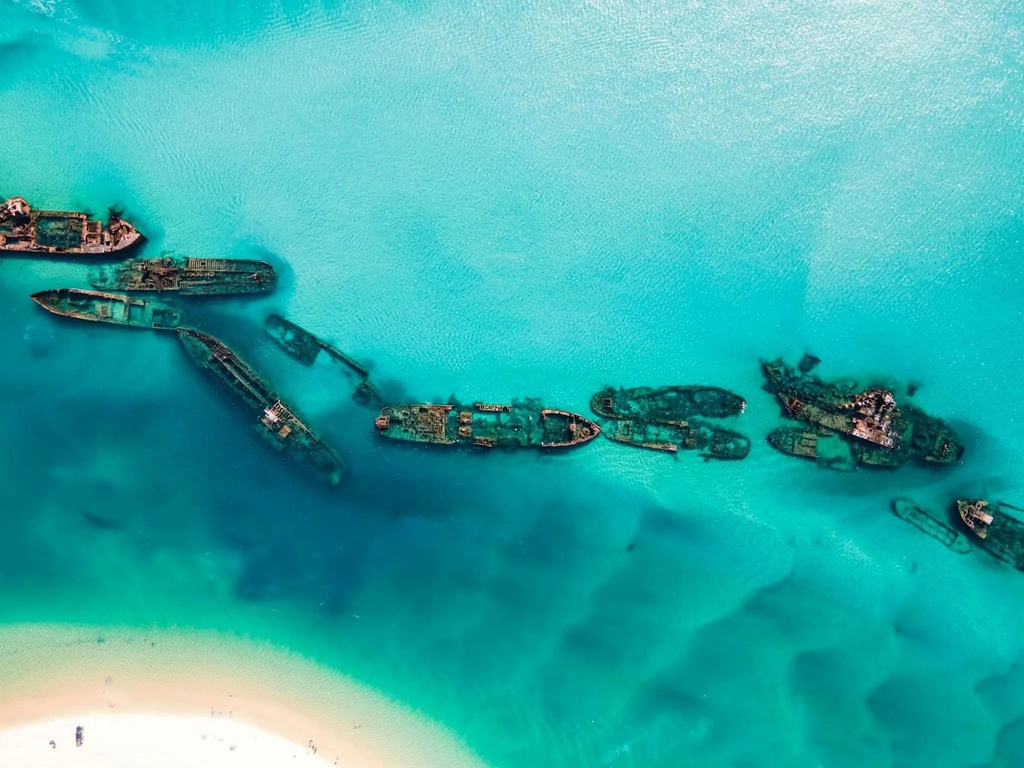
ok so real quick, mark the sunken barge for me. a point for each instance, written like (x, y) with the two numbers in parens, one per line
(303, 346)
(187, 277)
(880, 432)
(707, 440)
(907, 510)
(518, 424)
(666, 405)
(277, 423)
(109, 308)
(61, 233)
(999, 533)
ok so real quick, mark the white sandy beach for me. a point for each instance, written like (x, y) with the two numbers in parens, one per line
(152, 741)
(166, 698)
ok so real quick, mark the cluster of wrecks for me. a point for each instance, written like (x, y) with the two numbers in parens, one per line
(839, 425)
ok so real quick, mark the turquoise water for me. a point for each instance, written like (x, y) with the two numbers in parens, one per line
(512, 199)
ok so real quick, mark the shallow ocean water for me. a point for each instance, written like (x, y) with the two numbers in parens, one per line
(500, 200)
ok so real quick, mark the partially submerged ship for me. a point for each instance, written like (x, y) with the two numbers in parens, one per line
(61, 233)
(881, 433)
(666, 405)
(303, 346)
(709, 441)
(1001, 534)
(518, 424)
(109, 308)
(826, 448)
(907, 510)
(277, 423)
(191, 277)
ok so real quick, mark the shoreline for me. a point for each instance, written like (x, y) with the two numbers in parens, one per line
(257, 692)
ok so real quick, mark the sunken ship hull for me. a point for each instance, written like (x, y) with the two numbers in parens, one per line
(61, 233)
(109, 308)
(666, 405)
(276, 423)
(907, 510)
(519, 424)
(827, 450)
(881, 432)
(189, 277)
(708, 441)
(304, 347)
(998, 533)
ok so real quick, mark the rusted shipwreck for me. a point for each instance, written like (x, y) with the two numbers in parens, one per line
(880, 432)
(708, 440)
(999, 533)
(518, 424)
(61, 233)
(189, 277)
(304, 347)
(109, 308)
(277, 423)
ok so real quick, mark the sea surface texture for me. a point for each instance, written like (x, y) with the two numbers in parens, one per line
(508, 199)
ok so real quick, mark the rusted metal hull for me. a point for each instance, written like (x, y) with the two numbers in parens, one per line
(519, 424)
(61, 233)
(189, 277)
(881, 432)
(998, 533)
(109, 308)
(709, 441)
(828, 450)
(277, 423)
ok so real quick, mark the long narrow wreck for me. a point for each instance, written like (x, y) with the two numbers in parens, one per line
(518, 424)
(109, 308)
(905, 509)
(999, 533)
(303, 346)
(61, 233)
(188, 277)
(671, 406)
(881, 433)
(277, 423)
(708, 440)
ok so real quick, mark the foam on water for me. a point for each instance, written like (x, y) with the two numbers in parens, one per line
(509, 200)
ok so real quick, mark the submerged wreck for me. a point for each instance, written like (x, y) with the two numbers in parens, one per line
(881, 433)
(109, 308)
(1000, 534)
(61, 233)
(277, 423)
(666, 405)
(518, 424)
(826, 448)
(907, 510)
(707, 440)
(303, 346)
(190, 277)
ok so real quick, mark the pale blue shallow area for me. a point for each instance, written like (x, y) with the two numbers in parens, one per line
(510, 199)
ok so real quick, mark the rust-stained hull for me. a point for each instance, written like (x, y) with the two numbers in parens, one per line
(188, 277)
(709, 441)
(998, 533)
(519, 424)
(109, 308)
(277, 423)
(61, 233)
